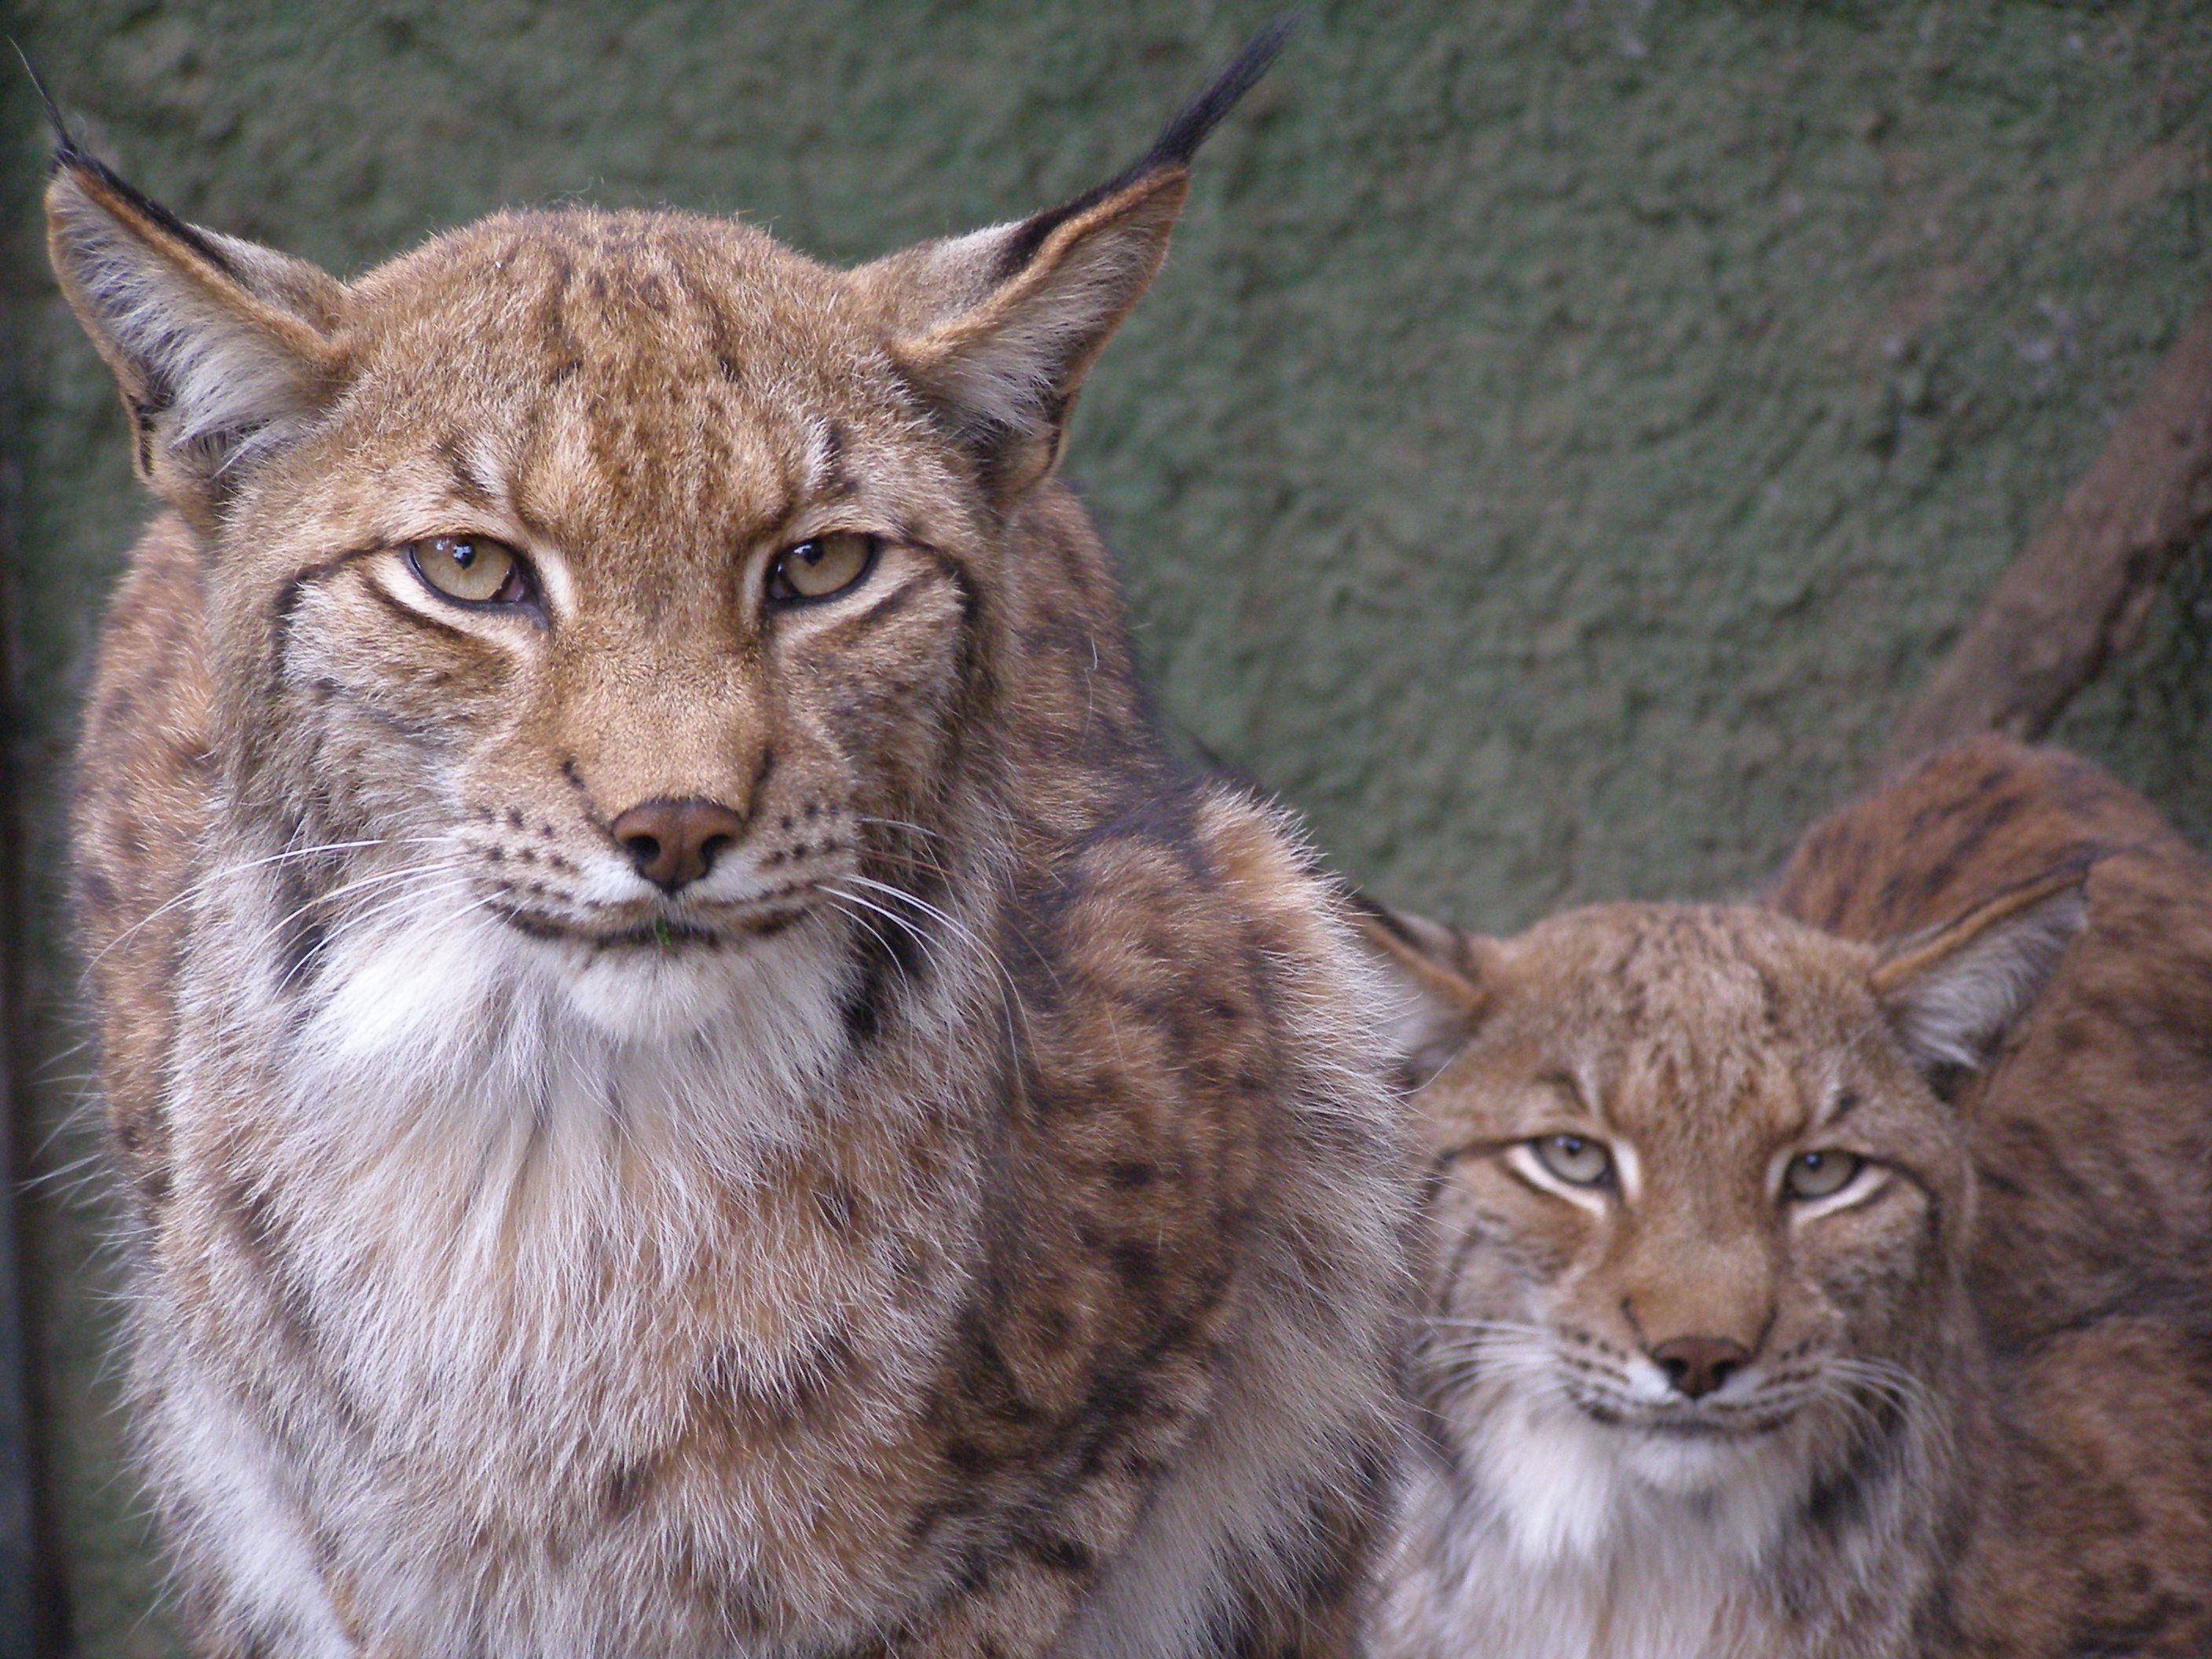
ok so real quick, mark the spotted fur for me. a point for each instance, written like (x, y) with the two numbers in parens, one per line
(1938, 1430)
(966, 1219)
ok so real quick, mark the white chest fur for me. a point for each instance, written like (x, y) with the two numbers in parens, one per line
(1561, 1538)
(498, 1252)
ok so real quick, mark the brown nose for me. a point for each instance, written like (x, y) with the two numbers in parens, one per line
(676, 841)
(1696, 1366)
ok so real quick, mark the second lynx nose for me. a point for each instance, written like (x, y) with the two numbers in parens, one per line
(1697, 1366)
(675, 842)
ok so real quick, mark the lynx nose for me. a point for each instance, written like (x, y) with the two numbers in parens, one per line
(1696, 1366)
(673, 842)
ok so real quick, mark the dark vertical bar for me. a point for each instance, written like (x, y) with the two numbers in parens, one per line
(32, 1624)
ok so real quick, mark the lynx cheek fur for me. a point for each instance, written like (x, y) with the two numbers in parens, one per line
(1706, 1374)
(692, 1079)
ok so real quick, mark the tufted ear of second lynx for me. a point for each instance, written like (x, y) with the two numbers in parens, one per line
(1954, 991)
(1443, 978)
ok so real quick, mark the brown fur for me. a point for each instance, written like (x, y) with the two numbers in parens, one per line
(1988, 1418)
(964, 1221)
(2092, 1135)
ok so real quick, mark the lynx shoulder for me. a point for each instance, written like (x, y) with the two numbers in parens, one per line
(691, 1080)
(1718, 1360)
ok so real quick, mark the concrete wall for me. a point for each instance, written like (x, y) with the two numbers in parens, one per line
(1565, 432)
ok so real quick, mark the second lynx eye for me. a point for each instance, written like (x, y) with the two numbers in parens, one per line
(474, 569)
(824, 567)
(1817, 1175)
(1572, 1159)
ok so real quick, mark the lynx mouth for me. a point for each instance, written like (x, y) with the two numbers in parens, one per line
(658, 933)
(1740, 1423)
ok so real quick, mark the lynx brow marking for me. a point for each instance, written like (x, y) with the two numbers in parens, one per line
(448, 623)
(825, 471)
(469, 485)
(1839, 1105)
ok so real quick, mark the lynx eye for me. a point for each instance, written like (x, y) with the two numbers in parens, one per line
(821, 567)
(474, 569)
(1574, 1159)
(1820, 1175)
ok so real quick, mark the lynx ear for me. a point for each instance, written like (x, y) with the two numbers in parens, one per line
(222, 349)
(1954, 991)
(1444, 977)
(997, 329)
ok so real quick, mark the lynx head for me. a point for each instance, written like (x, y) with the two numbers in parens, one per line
(1700, 1202)
(624, 583)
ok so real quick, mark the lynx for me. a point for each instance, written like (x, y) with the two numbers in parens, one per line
(1722, 1360)
(691, 1080)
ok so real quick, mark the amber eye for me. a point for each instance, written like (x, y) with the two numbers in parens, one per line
(474, 569)
(1577, 1161)
(826, 565)
(1820, 1175)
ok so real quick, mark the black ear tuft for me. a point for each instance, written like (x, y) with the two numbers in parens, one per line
(1180, 142)
(69, 153)
(66, 151)
(1175, 146)
(191, 236)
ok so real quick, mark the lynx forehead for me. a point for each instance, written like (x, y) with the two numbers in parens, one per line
(694, 1081)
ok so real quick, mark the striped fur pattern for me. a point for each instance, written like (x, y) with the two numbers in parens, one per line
(964, 1213)
(1689, 1411)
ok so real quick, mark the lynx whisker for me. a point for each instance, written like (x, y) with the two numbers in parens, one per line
(1010, 992)
(212, 879)
(909, 827)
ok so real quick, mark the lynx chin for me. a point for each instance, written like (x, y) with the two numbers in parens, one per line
(692, 1079)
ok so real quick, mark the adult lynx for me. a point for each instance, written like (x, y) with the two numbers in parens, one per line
(1720, 1364)
(692, 1080)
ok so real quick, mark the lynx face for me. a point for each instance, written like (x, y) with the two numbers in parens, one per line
(1699, 1220)
(610, 586)
(638, 625)
(1696, 1200)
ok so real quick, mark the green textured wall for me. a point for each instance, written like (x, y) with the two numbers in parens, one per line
(1562, 436)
